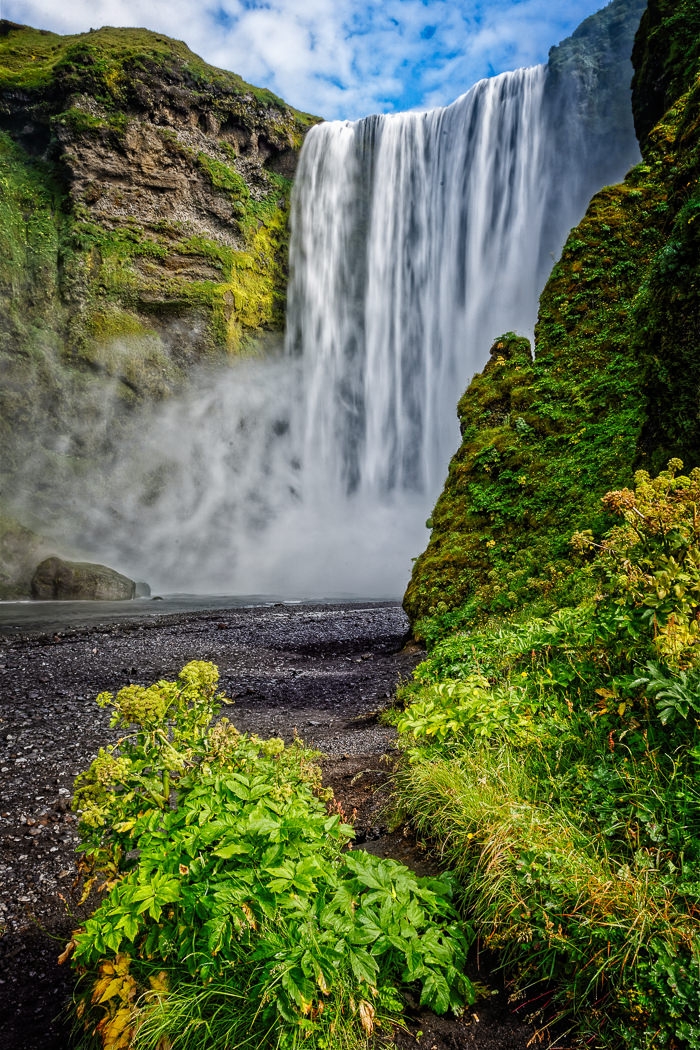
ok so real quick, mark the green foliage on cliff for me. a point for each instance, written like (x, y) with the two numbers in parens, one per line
(552, 735)
(85, 97)
(554, 762)
(666, 58)
(112, 64)
(614, 384)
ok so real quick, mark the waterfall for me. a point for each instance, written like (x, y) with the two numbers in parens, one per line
(416, 240)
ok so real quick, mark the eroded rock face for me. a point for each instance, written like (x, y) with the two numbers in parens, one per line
(58, 580)
(143, 236)
(176, 178)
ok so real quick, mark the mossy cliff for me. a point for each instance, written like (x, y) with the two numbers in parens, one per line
(143, 230)
(615, 380)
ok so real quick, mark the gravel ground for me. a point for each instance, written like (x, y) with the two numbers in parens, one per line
(320, 670)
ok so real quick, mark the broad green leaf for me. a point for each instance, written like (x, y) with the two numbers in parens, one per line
(436, 993)
(232, 849)
(364, 966)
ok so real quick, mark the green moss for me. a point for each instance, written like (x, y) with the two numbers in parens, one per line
(81, 122)
(106, 325)
(123, 348)
(106, 63)
(614, 384)
(667, 312)
(666, 58)
(91, 86)
(224, 177)
(31, 223)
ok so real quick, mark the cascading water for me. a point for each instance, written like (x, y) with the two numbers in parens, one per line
(416, 239)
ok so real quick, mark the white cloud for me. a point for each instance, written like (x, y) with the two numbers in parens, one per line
(339, 58)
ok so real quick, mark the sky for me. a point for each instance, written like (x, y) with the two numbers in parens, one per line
(339, 58)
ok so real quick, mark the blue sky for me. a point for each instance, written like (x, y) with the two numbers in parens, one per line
(339, 58)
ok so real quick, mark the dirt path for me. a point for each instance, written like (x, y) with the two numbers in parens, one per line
(320, 670)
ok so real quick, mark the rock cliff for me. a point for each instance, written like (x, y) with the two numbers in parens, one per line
(615, 380)
(143, 232)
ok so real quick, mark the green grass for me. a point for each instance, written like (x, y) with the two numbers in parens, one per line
(552, 762)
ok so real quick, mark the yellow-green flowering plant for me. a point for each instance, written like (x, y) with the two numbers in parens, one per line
(232, 904)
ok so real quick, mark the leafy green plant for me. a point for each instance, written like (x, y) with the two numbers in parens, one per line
(470, 710)
(554, 761)
(677, 696)
(228, 881)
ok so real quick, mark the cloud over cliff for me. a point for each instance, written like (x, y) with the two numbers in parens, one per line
(339, 58)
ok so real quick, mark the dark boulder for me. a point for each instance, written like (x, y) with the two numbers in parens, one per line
(58, 580)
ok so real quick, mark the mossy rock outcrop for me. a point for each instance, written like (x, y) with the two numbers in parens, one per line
(614, 383)
(149, 189)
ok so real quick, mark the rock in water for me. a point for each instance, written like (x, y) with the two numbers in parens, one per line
(58, 580)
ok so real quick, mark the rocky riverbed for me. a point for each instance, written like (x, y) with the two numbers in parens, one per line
(322, 671)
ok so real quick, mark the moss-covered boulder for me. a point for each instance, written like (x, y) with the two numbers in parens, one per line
(58, 580)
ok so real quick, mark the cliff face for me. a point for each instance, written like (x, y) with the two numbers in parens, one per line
(143, 231)
(665, 58)
(614, 383)
(166, 180)
(588, 96)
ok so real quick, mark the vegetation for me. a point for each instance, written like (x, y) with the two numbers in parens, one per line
(552, 736)
(234, 914)
(554, 762)
(666, 54)
(110, 62)
(83, 93)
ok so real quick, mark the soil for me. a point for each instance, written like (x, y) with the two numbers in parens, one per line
(322, 671)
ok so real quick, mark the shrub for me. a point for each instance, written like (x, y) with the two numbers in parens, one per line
(233, 912)
(555, 764)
